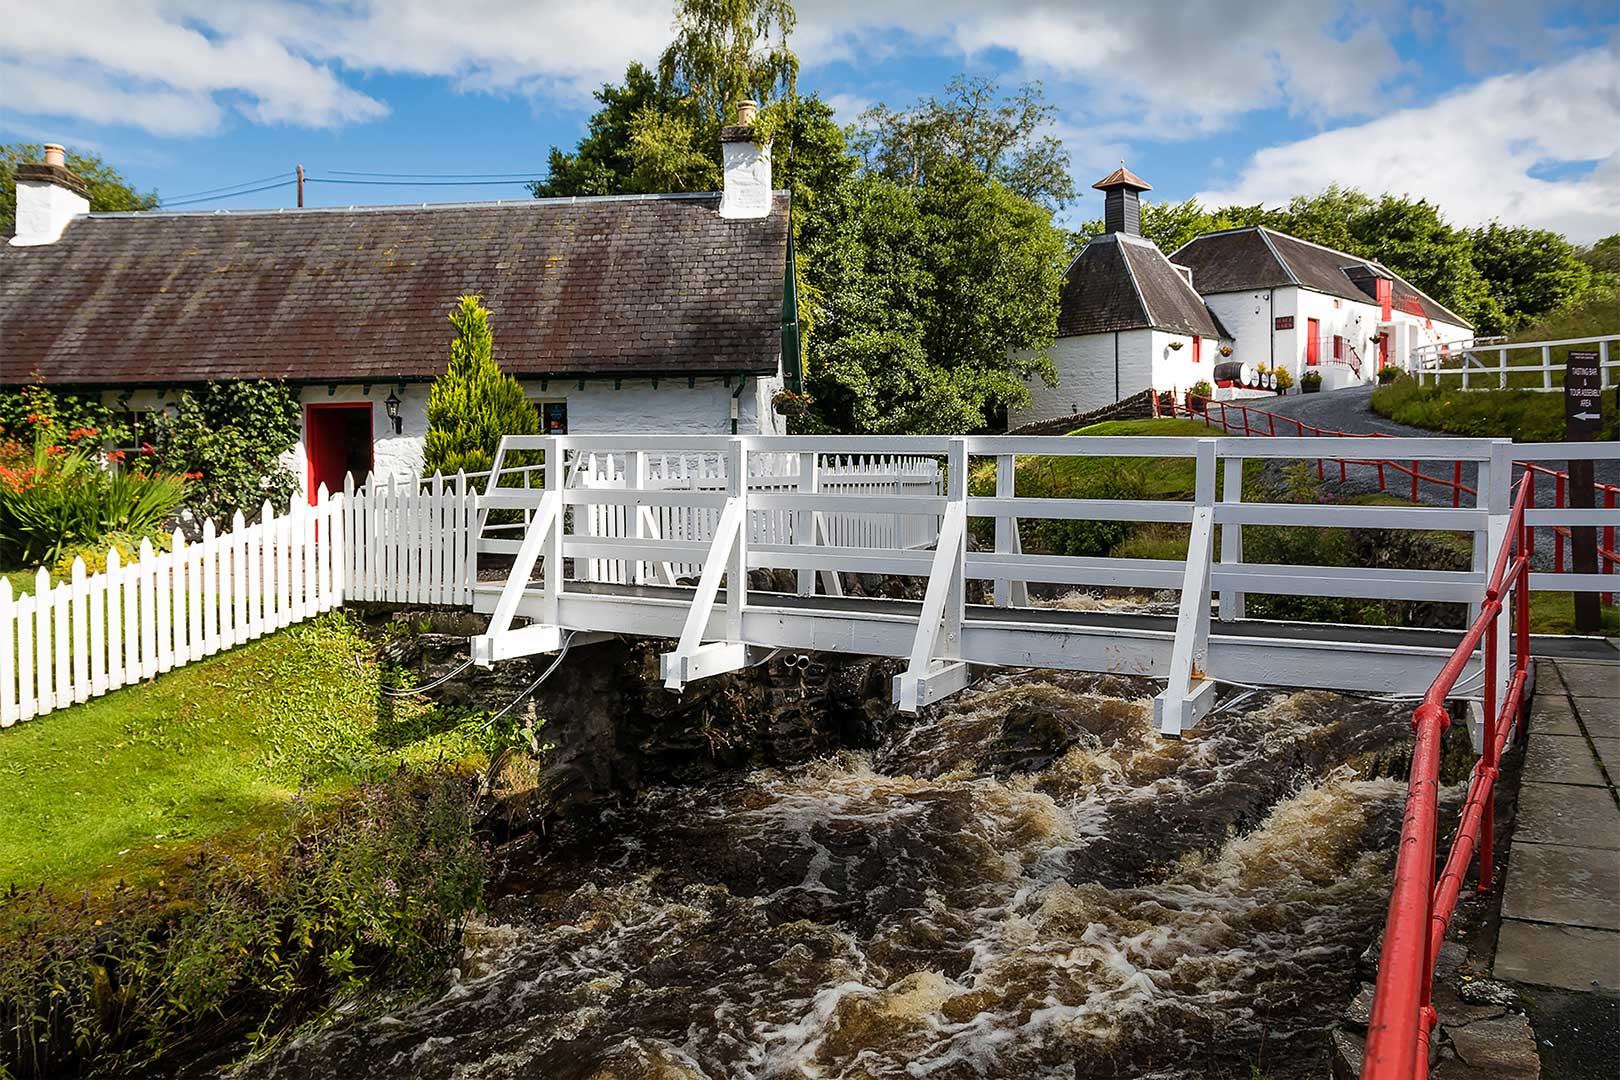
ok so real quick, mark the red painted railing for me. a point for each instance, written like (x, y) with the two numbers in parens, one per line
(1421, 906)
(1197, 407)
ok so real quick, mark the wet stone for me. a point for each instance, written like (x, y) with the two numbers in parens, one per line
(1561, 759)
(1599, 716)
(1591, 680)
(1499, 1047)
(1553, 883)
(1569, 957)
(1565, 814)
(1552, 714)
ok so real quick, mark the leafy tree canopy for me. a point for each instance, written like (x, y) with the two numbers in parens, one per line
(108, 189)
(1007, 139)
(726, 51)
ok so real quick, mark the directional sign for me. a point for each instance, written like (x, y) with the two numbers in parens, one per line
(1583, 389)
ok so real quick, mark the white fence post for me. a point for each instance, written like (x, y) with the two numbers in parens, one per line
(9, 713)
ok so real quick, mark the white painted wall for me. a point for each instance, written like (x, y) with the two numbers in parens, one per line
(1086, 375)
(635, 408)
(746, 172)
(1175, 369)
(44, 210)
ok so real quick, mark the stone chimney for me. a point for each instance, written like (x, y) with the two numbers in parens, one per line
(1122, 211)
(747, 167)
(49, 196)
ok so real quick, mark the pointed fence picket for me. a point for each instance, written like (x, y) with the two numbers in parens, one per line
(66, 642)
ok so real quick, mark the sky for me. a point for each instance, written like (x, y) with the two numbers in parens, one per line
(1494, 109)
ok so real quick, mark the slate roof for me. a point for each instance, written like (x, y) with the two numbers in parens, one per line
(613, 286)
(1237, 260)
(1125, 283)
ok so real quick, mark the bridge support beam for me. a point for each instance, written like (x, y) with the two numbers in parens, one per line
(939, 627)
(1191, 692)
(728, 558)
(544, 535)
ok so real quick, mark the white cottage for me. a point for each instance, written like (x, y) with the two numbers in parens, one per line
(663, 313)
(1131, 319)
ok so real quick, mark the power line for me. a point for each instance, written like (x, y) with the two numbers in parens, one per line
(229, 195)
(417, 183)
(446, 176)
(226, 189)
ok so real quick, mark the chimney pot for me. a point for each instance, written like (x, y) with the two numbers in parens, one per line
(55, 154)
(747, 113)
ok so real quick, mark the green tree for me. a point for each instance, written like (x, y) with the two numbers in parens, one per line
(108, 189)
(1603, 256)
(1529, 271)
(1007, 139)
(935, 302)
(601, 163)
(1167, 224)
(726, 51)
(473, 403)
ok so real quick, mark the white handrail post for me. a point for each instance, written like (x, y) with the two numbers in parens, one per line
(1007, 538)
(1546, 367)
(1232, 601)
(737, 568)
(637, 480)
(552, 548)
(935, 669)
(1191, 692)
(804, 521)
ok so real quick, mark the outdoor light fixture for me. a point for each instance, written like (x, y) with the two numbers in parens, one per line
(391, 403)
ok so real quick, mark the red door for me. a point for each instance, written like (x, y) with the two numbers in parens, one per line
(1313, 342)
(337, 441)
(1383, 350)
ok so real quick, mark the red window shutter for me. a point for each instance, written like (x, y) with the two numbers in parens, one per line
(1338, 347)
(1198, 348)
(1385, 299)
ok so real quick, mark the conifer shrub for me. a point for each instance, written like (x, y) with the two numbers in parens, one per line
(473, 403)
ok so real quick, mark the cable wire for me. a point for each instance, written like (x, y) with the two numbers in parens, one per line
(532, 687)
(417, 183)
(226, 188)
(444, 176)
(214, 198)
(394, 691)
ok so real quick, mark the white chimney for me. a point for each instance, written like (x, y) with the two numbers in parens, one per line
(48, 197)
(747, 168)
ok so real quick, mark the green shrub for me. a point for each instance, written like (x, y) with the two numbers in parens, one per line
(369, 895)
(229, 438)
(1284, 379)
(473, 403)
(54, 498)
(1310, 380)
(1387, 375)
(62, 418)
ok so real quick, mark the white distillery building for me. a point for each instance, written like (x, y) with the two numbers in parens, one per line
(1131, 319)
(663, 313)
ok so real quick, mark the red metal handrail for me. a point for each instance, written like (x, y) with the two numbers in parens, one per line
(1421, 906)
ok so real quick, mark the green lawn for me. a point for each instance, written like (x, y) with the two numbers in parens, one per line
(125, 785)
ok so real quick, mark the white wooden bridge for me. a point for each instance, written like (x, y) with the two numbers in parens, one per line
(655, 536)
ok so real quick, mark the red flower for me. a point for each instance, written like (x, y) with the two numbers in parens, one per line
(84, 433)
(116, 455)
(193, 476)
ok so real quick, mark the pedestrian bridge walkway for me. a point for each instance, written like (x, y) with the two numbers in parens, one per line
(662, 536)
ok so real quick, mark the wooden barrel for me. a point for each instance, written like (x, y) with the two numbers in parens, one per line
(1231, 371)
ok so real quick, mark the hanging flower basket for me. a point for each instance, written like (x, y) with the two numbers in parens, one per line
(1176, 345)
(787, 403)
(1226, 350)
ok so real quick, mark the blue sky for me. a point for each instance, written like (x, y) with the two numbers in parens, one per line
(1500, 108)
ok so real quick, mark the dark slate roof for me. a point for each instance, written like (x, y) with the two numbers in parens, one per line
(1125, 283)
(630, 285)
(1237, 260)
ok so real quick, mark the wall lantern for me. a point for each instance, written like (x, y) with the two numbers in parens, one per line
(391, 403)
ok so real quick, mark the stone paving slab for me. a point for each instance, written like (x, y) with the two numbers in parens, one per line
(1601, 716)
(1566, 814)
(1591, 680)
(1551, 713)
(1571, 957)
(1561, 759)
(1571, 885)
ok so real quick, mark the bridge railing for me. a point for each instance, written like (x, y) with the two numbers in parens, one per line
(1421, 905)
(1475, 364)
(1552, 496)
(762, 521)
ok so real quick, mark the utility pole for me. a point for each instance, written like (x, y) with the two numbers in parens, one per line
(300, 187)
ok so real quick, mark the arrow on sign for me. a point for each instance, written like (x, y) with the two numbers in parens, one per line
(1588, 416)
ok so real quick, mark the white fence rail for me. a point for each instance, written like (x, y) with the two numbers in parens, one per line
(69, 641)
(1487, 364)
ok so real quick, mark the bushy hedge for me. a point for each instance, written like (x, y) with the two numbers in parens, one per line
(371, 895)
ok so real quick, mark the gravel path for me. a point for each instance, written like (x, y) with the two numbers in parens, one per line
(1350, 410)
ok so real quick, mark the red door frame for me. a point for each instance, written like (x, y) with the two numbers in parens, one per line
(1313, 342)
(316, 446)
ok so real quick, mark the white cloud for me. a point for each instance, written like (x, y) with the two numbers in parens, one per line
(1476, 153)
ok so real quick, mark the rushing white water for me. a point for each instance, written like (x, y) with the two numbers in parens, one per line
(1027, 882)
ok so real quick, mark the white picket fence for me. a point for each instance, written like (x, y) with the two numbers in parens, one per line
(77, 639)
(409, 542)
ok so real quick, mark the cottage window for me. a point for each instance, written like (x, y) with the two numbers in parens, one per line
(553, 417)
(142, 425)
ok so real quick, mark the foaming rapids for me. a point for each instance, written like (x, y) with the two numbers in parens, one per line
(1024, 882)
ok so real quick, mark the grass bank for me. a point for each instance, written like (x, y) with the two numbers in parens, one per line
(127, 786)
(1520, 415)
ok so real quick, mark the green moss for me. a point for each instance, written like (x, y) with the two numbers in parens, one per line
(130, 783)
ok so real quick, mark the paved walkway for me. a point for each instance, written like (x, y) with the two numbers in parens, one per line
(1561, 901)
